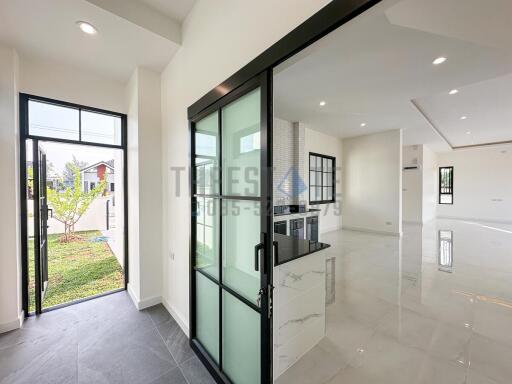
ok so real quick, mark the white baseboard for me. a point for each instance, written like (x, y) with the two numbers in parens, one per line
(14, 324)
(477, 219)
(377, 232)
(141, 304)
(177, 316)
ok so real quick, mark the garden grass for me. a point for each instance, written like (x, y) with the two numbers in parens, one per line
(78, 269)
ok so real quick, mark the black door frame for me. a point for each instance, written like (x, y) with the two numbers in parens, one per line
(24, 136)
(263, 82)
(328, 19)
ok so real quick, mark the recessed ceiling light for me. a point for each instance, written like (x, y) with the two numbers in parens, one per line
(323, 103)
(363, 124)
(439, 60)
(453, 92)
(87, 28)
(463, 117)
(468, 133)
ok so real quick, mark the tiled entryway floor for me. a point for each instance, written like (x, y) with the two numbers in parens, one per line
(401, 317)
(105, 340)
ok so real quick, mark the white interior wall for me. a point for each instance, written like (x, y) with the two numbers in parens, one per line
(330, 217)
(372, 182)
(213, 48)
(62, 82)
(482, 184)
(144, 187)
(412, 188)
(10, 258)
(429, 184)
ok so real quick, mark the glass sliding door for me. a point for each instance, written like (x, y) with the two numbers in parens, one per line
(230, 249)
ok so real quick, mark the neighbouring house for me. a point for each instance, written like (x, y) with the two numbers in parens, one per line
(95, 173)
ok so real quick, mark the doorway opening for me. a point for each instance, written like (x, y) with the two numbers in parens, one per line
(73, 176)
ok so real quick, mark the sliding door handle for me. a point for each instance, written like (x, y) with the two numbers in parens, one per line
(276, 251)
(257, 249)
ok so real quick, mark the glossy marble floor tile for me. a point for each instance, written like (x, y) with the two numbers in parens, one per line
(406, 312)
(105, 340)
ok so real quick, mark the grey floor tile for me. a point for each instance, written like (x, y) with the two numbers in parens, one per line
(174, 376)
(176, 340)
(47, 359)
(158, 314)
(128, 359)
(195, 372)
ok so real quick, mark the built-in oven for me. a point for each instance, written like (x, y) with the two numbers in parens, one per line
(312, 228)
(297, 228)
(280, 227)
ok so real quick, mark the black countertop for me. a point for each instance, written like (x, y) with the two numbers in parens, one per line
(291, 248)
(297, 213)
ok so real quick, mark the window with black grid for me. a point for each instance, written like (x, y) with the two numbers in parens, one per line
(446, 185)
(322, 185)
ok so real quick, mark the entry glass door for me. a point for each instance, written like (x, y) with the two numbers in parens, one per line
(231, 273)
(41, 231)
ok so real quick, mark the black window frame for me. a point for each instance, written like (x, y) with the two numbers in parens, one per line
(24, 192)
(442, 189)
(333, 179)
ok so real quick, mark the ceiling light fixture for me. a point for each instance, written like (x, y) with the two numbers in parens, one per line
(463, 117)
(322, 103)
(87, 27)
(468, 133)
(363, 124)
(453, 92)
(439, 60)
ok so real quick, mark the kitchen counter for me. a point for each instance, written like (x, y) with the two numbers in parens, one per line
(299, 299)
(291, 248)
(308, 212)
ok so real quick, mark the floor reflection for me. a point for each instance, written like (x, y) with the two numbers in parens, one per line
(397, 317)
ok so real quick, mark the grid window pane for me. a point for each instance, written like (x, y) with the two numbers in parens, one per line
(321, 175)
(51, 120)
(101, 128)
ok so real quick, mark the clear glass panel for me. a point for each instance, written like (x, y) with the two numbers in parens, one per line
(325, 193)
(240, 233)
(318, 181)
(207, 160)
(329, 193)
(241, 146)
(241, 341)
(312, 194)
(326, 177)
(329, 165)
(53, 121)
(318, 193)
(312, 163)
(207, 315)
(312, 178)
(324, 165)
(319, 163)
(101, 128)
(207, 234)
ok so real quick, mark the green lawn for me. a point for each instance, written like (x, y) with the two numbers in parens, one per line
(77, 269)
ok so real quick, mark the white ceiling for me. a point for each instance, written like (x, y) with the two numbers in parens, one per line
(47, 30)
(176, 9)
(377, 67)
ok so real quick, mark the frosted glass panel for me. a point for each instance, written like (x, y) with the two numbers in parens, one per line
(207, 234)
(241, 341)
(240, 233)
(207, 162)
(241, 150)
(53, 121)
(207, 315)
(101, 128)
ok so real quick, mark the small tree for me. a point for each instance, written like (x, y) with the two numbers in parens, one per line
(70, 204)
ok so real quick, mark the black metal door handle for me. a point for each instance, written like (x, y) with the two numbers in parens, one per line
(257, 249)
(276, 251)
